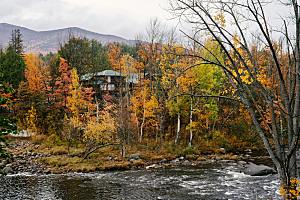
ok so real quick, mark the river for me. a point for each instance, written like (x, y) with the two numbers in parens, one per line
(208, 182)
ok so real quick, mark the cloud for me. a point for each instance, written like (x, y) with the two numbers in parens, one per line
(125, 18)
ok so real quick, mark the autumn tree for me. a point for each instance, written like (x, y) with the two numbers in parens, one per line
(7, 123)
(62, 86)
(72, 102)
(32, 96)
(144, 107)
(114, 56)
(270, 107)
(150, 56)
(35, 73)
(125, 64)
(100, 132)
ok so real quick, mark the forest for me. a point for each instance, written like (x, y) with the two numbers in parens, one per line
(219, 94)
(171, 104)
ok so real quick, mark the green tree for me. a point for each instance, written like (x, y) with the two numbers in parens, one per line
(12, 64)
(87, 56)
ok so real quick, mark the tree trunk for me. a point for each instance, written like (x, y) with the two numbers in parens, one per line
(178, 128)
(162, 119)
(191, 122)
(143, 121)
(141, 130)
(123, 153)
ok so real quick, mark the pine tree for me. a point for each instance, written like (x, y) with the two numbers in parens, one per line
(12, 64)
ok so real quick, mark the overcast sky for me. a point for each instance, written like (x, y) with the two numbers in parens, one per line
(126, 18)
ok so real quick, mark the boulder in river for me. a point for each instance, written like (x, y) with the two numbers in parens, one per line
(258, 170)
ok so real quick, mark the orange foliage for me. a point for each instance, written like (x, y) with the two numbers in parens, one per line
(114, 56)
(35, 73)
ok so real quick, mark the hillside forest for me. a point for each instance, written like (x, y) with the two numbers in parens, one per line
(173, 105)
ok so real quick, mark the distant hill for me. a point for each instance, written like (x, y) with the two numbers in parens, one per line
(46, 41)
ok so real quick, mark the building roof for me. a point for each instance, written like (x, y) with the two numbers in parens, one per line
(108, 73)
(88, 76)
(130, 78)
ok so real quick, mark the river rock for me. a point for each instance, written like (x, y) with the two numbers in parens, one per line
(7, 170)
(154, 166)
(22, 162)
(191, 157)
(176, 161)
(2, 164)
(222, 150)
(186, 162)
(241, 162)
(258, 170)
(2, 144)
(110, 158)
(248, 151)
(135, 157)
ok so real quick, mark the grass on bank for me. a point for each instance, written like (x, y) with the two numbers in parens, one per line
(59, 158)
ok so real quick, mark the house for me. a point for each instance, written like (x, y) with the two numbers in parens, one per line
(109, 81)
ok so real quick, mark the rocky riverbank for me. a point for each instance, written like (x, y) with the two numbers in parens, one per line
(21, 160)
(26, 158)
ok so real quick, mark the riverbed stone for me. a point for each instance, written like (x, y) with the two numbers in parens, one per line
(191, 157)
(135, 157)
(248, 151)
(241, 162)
(7, 170)
(186, 162)
(2, 164)
(222, 150)
(153, 166)
(258, 170)
(22, 162)
(176, 161)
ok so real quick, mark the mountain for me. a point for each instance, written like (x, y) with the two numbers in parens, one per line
(48, 41)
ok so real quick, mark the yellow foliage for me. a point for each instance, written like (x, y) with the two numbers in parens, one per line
(74, 100)
(293, 191)
(31, 120)
(220, 18)
(101, 132)
(143, 103)
(151, 106)
(128, 65)
(244, 75)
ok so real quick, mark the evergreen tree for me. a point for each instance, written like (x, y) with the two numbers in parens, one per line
(87, 56)
(12, 64)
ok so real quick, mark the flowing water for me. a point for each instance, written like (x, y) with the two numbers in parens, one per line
(217, 181)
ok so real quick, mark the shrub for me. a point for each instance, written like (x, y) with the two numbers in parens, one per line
(53, 140)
